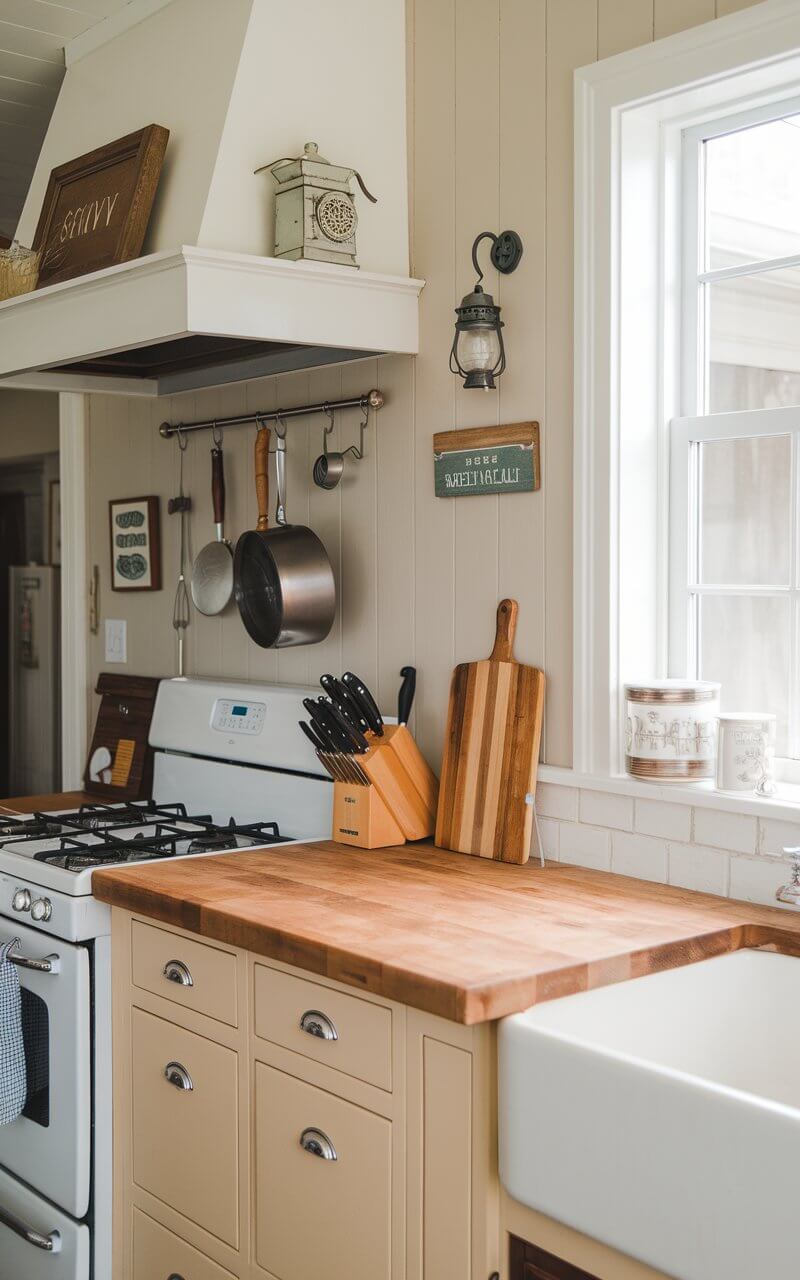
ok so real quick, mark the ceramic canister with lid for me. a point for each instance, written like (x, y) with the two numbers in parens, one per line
(671, 729)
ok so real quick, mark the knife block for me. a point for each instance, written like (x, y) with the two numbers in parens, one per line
(414, 763)
(361, 818)
(399, 803)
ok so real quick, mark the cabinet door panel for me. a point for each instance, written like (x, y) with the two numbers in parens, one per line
(159, 1254)
(185, 1139)
(318, 1216)
(192, 974)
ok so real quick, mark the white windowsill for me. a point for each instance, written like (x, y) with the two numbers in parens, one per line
(785, 804)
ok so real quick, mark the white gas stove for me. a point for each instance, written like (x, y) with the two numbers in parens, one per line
(232, 771)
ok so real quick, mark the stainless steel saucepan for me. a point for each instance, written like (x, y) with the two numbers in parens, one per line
(283, 580)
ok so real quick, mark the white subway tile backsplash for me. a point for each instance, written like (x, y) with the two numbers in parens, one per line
(660, 818)
(605, 809)
(734, 831)
(549, 832)
(640, 856)
(777, 835)
(708, 850)
(693, 866)
(757, 879)
(557, 802)
(585, 846)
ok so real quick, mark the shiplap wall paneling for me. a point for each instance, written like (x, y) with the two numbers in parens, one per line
(435, 256)
(623, 24)
(571, 43)
(677, 15)
(419, 577)
(477, 191)
(522, 147)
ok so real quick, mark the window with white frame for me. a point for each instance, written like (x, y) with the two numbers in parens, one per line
(734, 552)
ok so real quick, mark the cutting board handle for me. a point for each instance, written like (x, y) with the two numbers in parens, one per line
(503, 650)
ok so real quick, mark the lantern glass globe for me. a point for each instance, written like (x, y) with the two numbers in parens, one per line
(478, 348)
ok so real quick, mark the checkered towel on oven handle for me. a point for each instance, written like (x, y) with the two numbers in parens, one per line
(12, 1048)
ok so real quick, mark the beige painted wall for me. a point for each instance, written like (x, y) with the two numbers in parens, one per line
(28, 423)
(490, 147)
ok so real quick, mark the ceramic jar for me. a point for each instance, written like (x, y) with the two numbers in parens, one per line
(746, 751)
(671, 729)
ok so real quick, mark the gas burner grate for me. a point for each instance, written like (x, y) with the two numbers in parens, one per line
(98, 845)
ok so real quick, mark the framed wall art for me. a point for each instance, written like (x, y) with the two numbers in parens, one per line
(135, 544)
(97, 207)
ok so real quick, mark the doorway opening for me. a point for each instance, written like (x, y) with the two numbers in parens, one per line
(30, 599)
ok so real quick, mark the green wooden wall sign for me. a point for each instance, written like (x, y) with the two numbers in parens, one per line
(484, 460)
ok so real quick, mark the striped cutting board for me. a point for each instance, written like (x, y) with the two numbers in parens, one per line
(491, 751)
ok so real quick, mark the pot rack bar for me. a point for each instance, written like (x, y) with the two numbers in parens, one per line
(370, 400)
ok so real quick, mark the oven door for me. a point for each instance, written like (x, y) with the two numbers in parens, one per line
(38, 1242)
(49, 1145)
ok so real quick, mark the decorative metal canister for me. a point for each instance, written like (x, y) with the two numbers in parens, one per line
(671, 729)
(315, 211)
(746, 752)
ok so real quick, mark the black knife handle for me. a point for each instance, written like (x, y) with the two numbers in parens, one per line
(321, 727)
(313, 737)
(341, 698)
(405, 697)
(350, 734)
(365, 700)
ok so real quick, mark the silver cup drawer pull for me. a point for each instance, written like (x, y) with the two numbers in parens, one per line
(177, 1075)
(51, 1243)
(317, 1143)
(318, 1024)
(176, 971)
(174, 1276)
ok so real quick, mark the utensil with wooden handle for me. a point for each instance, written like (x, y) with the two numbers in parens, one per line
(491, 750)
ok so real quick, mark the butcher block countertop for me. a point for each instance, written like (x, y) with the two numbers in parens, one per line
(462, 937)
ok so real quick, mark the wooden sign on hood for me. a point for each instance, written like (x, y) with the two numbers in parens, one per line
(97, 207)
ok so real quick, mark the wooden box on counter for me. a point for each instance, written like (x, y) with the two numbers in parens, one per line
(120, 764)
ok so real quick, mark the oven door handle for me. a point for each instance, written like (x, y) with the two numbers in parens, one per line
(50, 964)
(51, 1243)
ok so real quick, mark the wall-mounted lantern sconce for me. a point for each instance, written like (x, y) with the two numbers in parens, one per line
(478, 354)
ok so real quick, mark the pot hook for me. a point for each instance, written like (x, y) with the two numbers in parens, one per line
(280, 468)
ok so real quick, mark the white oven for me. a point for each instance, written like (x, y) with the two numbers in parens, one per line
(50, 1145)
(38, 1241)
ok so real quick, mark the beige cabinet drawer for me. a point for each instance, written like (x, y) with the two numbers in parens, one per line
(160, 1255)
(316, 1216)
(191, 974)
(185, 1143)
(341, 1031)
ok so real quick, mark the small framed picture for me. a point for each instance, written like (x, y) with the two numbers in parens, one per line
(55, 521)
(135, 544)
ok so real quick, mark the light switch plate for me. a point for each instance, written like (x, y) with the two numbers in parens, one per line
(116, 640)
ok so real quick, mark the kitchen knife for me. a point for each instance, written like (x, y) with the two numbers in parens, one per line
(329, 734)
(369, 707)
(340, 696)
(325, 757)
(354, 740)
(405, 697)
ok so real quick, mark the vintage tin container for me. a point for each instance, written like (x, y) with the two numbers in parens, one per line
(671, 729)
(315, 211)
(746, 752)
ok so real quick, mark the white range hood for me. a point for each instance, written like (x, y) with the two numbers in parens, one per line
(174, 321)
(238, 85)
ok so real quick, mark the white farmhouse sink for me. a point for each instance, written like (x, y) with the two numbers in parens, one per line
(662, 1116)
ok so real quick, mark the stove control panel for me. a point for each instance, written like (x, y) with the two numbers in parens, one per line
(238, 717)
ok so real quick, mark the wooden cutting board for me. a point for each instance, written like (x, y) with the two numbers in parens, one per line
(491, 751)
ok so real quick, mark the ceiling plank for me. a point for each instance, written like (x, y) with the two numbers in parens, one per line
(40, 16)
(41, 45)
(16, 66)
